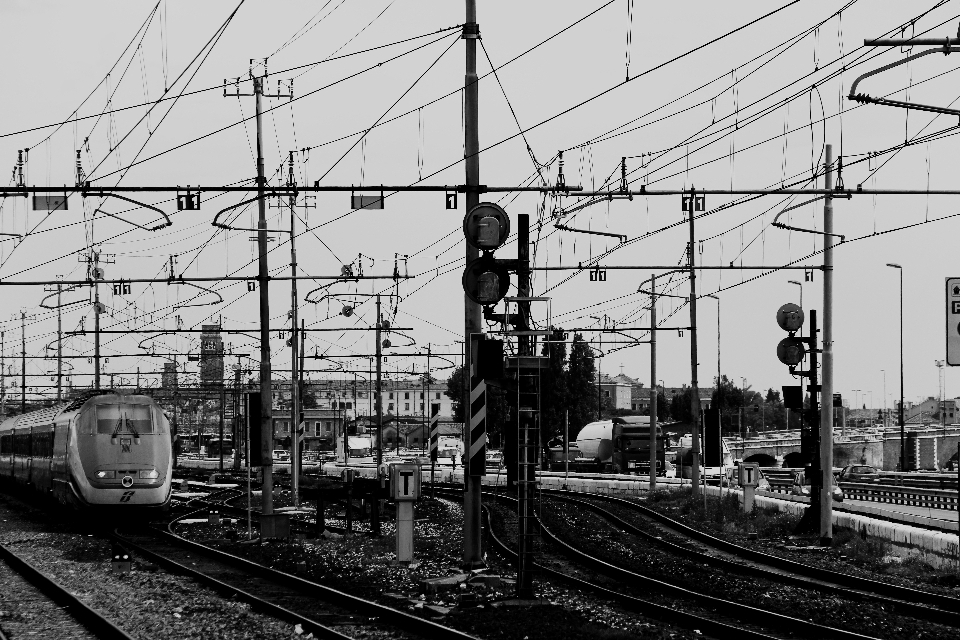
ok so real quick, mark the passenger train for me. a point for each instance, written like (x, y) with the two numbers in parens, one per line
(103, 450)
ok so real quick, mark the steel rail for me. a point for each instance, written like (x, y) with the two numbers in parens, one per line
(391, 616)
(667, 614)
(309, 625)
(900, 605)
(661, 612)
(736, 609)
(93, 621)
(942, 602)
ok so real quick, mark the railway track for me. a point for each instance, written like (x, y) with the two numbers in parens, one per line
(89, 619)
(321, 610)
(720, 623)
(927, 605)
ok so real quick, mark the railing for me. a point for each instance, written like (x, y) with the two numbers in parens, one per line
(910, 496)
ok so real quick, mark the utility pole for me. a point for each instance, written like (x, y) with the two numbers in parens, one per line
(653, 382)
(58, 288)
(695, 391)
(3, 374)
(263, 281)
(375, 503)
(236, 417)
(23, 360)
(472, 553)
(95, 273)
(826, 408)
(294, 351)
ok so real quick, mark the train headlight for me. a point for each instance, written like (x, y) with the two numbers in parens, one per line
(106, 473)
(149, 474)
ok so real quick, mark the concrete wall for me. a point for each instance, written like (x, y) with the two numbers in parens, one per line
(871, 453)
(934, 451)
(844, 453)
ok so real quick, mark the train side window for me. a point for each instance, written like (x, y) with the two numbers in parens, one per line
(6, 444)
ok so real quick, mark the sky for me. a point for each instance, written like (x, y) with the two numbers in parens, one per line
(752, 110)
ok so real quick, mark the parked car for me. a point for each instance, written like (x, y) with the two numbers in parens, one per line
(859, 473)
(801, 487)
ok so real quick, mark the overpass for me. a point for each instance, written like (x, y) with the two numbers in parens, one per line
(928, 447)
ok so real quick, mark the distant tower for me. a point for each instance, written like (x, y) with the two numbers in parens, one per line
(169, 376)
(211, 356)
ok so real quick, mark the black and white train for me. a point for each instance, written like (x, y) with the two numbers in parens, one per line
(104, 450)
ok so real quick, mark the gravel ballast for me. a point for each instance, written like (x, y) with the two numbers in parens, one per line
(146, 604)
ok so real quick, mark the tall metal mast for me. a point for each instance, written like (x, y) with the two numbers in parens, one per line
(472, 555)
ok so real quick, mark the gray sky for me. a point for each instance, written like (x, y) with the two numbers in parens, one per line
(60, 53)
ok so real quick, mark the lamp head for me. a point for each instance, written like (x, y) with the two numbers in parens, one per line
(894, 265)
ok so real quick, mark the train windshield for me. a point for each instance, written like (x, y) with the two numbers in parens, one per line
(114, 419)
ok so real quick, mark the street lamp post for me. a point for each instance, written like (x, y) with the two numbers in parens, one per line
(801, 290)
(903, 450)
(884, 372)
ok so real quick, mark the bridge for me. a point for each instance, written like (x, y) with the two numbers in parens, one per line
(928, 447)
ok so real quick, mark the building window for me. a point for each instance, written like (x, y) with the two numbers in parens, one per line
(406, 395)
(391, 395)
(435, 408)
(349, 405)
(329, 427)
(421, 404)
(438, 395)
(406, 406)
(390, 406)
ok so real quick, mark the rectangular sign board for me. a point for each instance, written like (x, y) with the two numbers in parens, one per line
(953, 321)
(366, 202)
(49, 202)
(405, 482)
(749, 474)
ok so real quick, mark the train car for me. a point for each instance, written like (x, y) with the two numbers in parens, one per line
(103, 450)
(214, 445)
(623, 443)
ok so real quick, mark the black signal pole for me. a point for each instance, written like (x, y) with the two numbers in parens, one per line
(472, 556)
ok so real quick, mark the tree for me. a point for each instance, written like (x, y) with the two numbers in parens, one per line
(728, 399)
(497, 407)
(776, 414)
(663, 407)
(456, 386)
(581, 385)
(681, 406)
(553, 387)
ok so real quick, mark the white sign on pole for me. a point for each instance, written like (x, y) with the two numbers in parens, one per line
(953, 321)
(405, 482)
(749, 474)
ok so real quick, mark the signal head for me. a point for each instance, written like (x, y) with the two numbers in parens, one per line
(791, 351)
(790, 317)
(484, 281)
(486, 226)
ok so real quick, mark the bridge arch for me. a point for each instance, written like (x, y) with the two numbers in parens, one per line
(763, 459)
(793, 460)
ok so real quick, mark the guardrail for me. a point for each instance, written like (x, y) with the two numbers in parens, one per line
(910, 496)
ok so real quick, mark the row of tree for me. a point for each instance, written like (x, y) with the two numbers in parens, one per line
(569, 391)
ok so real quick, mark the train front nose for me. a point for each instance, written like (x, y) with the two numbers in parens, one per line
(122, 448)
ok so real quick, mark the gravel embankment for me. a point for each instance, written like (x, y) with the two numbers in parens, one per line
(851, 554)
(594, 535)
(152, 605)
(363, 566)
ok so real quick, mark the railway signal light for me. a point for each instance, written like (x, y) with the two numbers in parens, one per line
(486, 227)
(791, 350)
